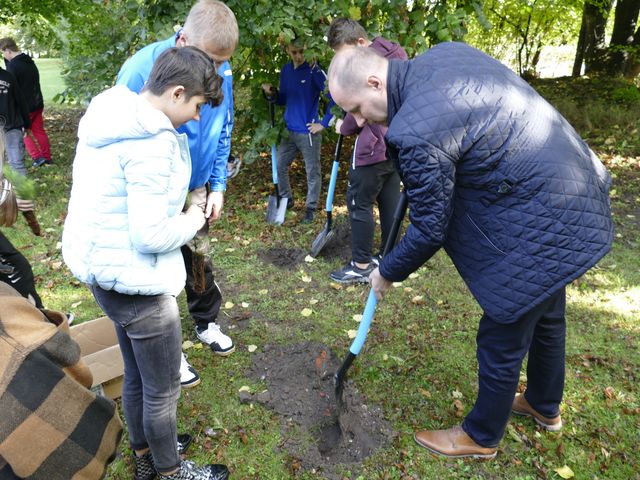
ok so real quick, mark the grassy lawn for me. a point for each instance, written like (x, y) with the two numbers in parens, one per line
(50, 80)
(418, 364)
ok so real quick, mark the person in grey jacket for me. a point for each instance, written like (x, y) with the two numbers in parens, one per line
(123, 234)
(501, 181)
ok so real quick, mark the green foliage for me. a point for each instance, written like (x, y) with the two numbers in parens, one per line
(519, 29)
(629, 95)
(24, 188)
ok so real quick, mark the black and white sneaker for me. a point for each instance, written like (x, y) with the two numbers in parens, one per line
(190, 471)
(352, 274)
(184, 441)
(233, 166)
(145, 469)
(188, 375)
(220, 343)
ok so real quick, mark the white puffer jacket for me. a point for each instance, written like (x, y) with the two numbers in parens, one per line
(124, 227)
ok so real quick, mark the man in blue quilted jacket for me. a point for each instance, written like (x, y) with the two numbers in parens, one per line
(501, 181)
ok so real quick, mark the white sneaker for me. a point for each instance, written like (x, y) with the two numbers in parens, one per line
(188, 375)
(218, 341)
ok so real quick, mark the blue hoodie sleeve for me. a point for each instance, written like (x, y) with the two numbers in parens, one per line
(218, 178)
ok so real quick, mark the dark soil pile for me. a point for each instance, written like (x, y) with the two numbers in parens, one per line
(300, 388)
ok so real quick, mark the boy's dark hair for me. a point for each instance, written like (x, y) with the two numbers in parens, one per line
(189, 67)
(8, 42)
(344, 31)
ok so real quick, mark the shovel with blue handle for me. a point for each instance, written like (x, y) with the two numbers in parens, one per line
(277, 206)
(370, 307)
(327, 233)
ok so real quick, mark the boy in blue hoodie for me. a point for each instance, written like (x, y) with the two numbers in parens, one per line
(301, 85)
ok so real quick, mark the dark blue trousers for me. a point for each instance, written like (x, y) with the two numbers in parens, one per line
(501, 349)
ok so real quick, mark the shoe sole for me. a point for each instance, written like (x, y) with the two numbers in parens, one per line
(351, 280)
(195, 383)
(544, 426)
(224, 353)
(479, 456)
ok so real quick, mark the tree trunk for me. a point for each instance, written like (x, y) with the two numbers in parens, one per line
(624, 33)
(591, 43)
(632, 69)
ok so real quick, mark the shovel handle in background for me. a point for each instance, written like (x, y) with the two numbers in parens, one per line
(370, 307)
(333, 180)
(326, 234)
(276, 208)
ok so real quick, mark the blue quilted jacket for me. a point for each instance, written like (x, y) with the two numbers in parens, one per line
(496, 176)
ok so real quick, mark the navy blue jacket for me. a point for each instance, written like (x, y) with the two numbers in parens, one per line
(496, 176)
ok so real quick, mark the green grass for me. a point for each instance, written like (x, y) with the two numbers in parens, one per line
(421, 352)
(51, 81)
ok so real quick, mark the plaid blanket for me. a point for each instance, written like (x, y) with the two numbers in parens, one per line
(51, 426)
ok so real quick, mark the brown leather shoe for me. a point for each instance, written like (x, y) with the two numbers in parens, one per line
(454, 443)
(521, 407)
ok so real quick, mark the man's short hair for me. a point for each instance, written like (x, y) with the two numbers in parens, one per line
(189, 67)
(212, 22)
(8, 43)
(344, 31)
(350, 67)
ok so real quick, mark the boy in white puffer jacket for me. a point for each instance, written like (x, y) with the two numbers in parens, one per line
(123, 234)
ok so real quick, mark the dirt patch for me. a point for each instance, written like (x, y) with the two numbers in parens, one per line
(300, 388)
(339, 246)
(282, 257)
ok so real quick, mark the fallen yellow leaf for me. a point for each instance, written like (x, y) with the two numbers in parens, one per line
(350, 288)
(414, 275)
(408, 289)
(564, 472)
(309, 259)
(264, 291)
(187, 344)
(229, 250)
(228, 305)
(306, 312)
(352, 334)
(357, 317)
(298, 291)
(252, 348)
(306, 279)
(244, 305)
(313, 301)
(244, 388)
(396, 284)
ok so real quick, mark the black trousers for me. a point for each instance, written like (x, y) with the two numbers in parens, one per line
(378, 183)
(15, 270)
(204, 306)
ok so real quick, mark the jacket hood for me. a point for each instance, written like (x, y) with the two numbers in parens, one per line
(388, 48)
(119, 114)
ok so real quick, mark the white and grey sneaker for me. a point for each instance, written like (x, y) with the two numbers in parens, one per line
(188, 375)
(190, 471)
(220, 343)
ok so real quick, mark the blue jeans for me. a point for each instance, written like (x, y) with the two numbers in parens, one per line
(14, 145)
(309, 145)
(150, 337)
(500, 351)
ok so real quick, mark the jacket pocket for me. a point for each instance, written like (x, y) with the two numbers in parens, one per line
(484, 237)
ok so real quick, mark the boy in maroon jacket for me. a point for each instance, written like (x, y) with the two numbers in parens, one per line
(372, 177)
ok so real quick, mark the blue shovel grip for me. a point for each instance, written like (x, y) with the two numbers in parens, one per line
(332, 186)
(365, 323)
(274, 165)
